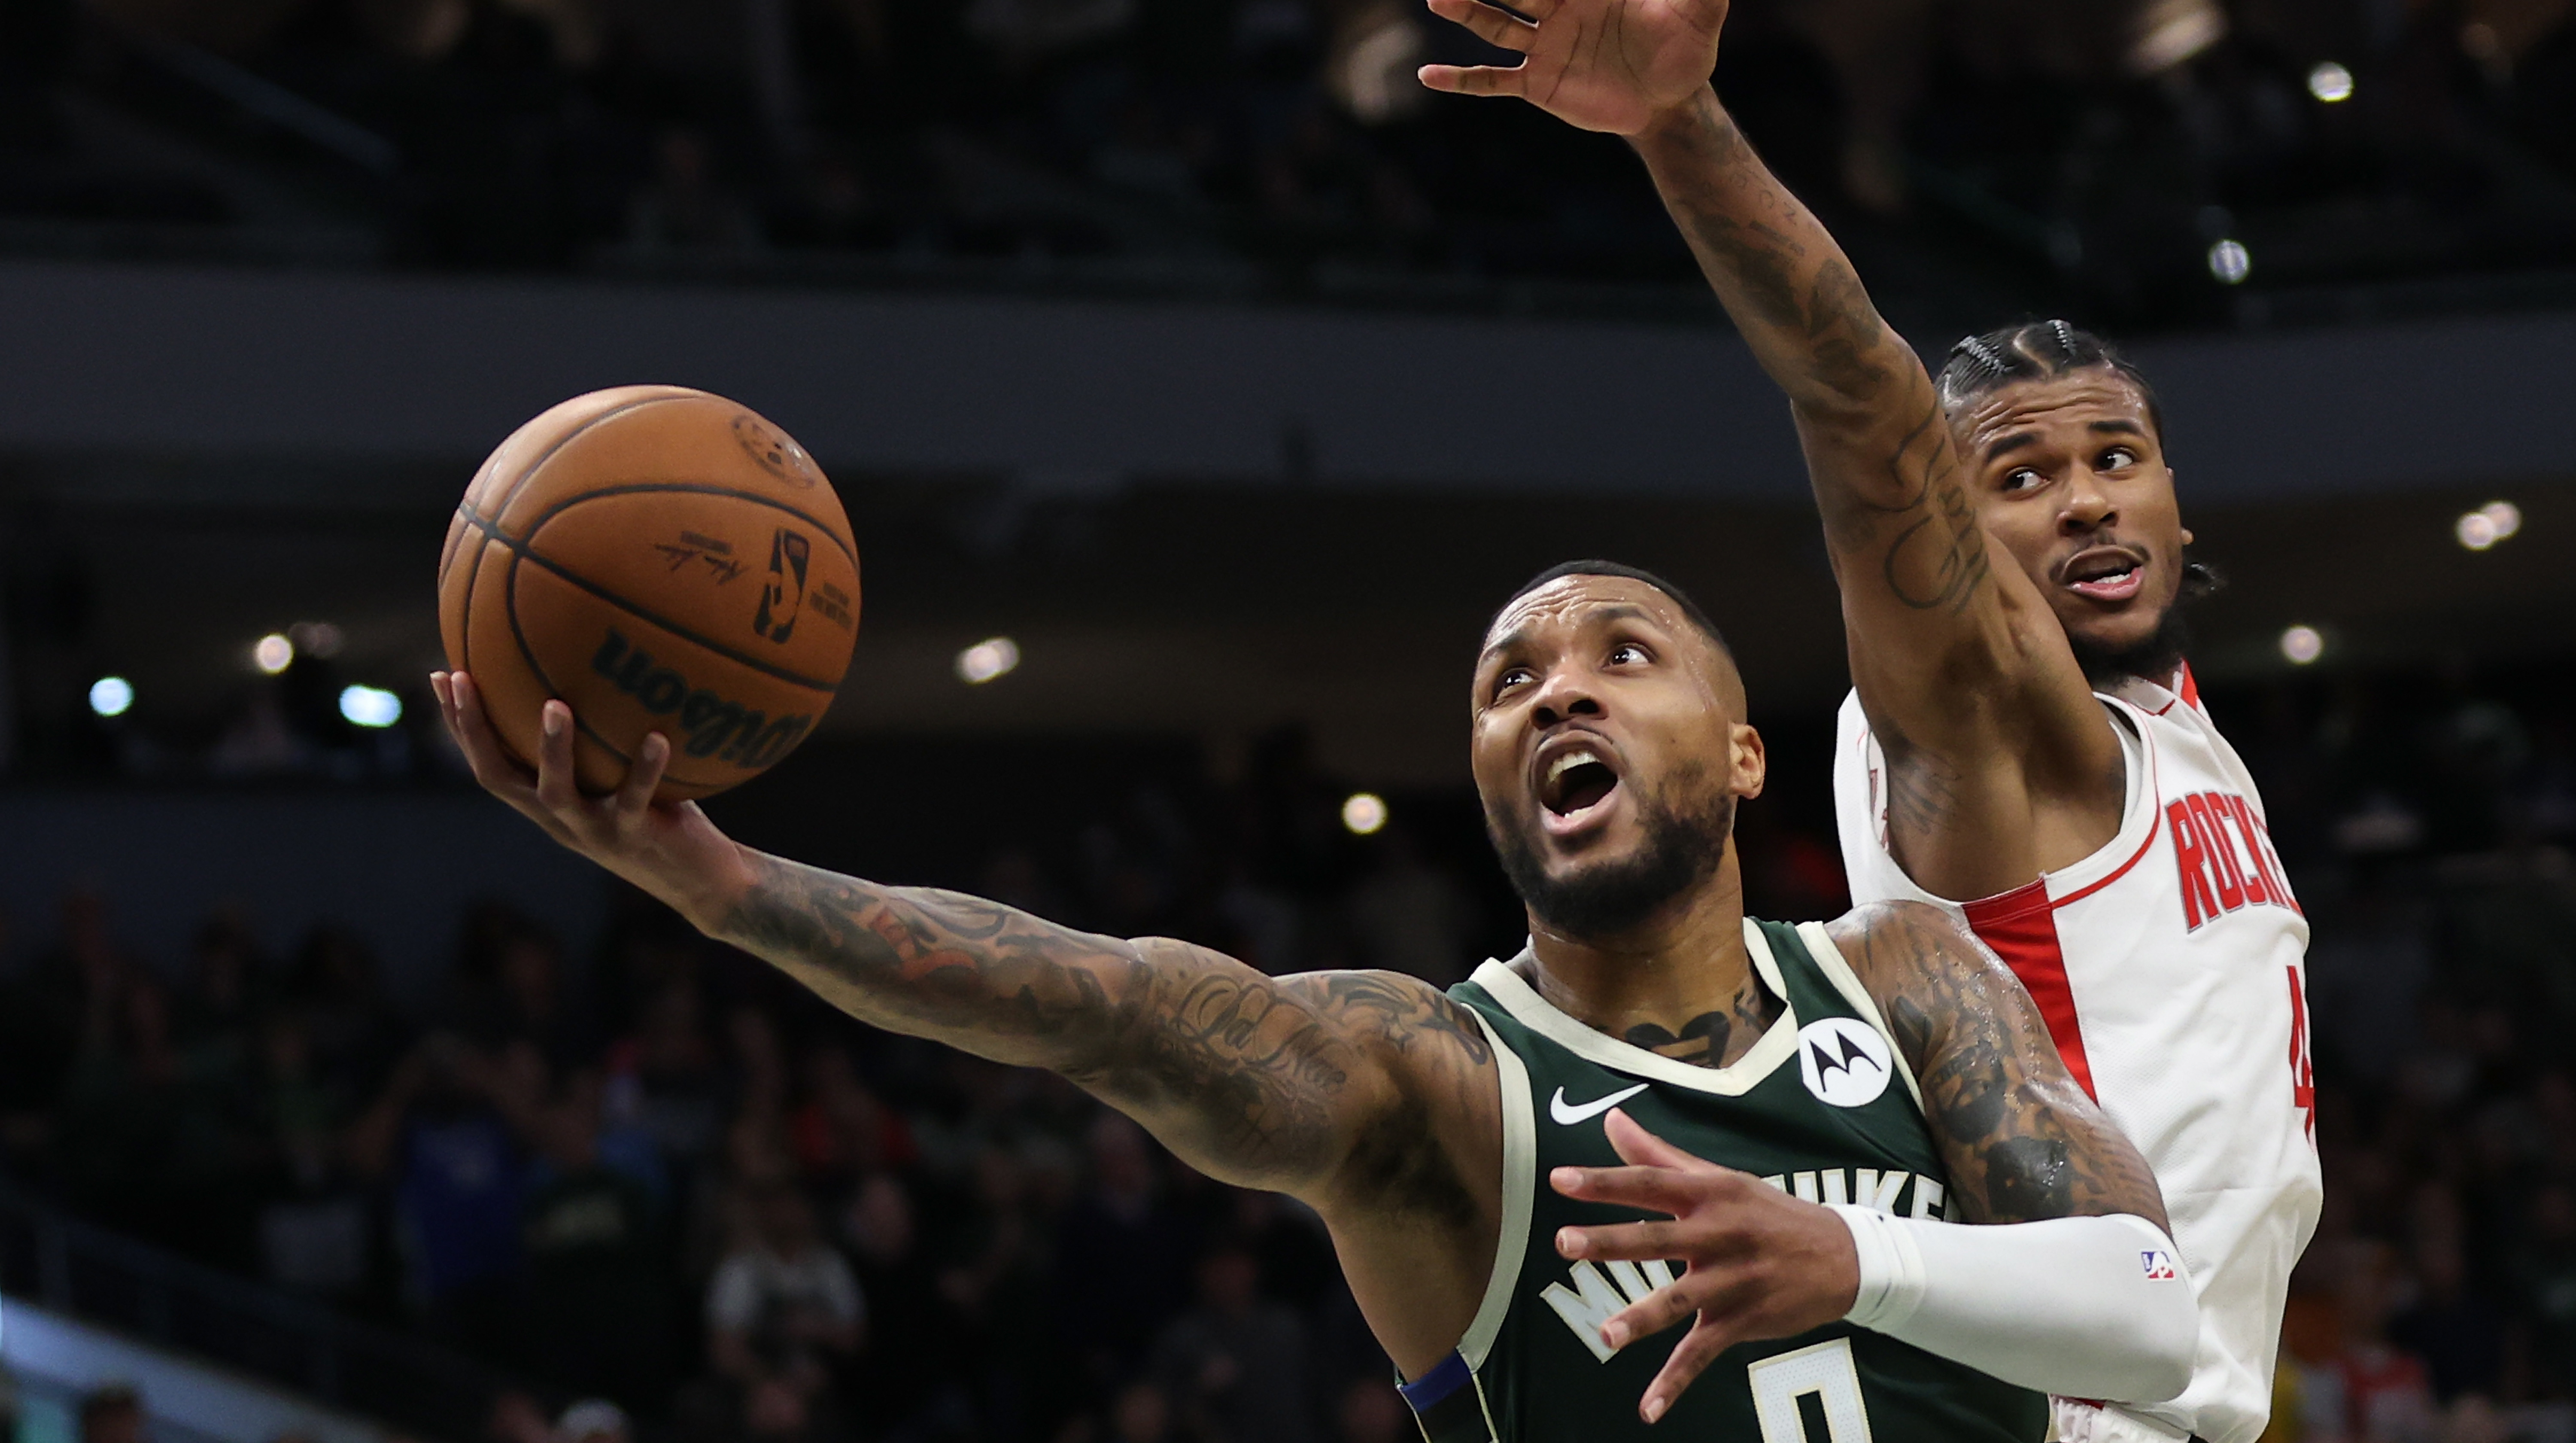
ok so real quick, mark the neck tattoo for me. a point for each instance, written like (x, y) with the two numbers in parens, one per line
(1703, 1041)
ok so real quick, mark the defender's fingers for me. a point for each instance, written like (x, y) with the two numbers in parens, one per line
(1656, 1189)
(1494, 27)
(644, 775)
(1629, 1139)
(1633, 1242)
(1475, 79)
(555, 784)
(1690, 1357)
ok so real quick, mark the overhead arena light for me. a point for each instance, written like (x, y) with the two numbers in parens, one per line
(985, 660)
(2230, 262)
(1364, 813)
(2330, 83)
(2302, 645)
(111, 695)
(272, 653)
(2496, 521)
(369, 706)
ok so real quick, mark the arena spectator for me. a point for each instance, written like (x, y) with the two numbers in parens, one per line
(1122, 1257)
(1236, 1364)
(595, 1313)
(783, 1315)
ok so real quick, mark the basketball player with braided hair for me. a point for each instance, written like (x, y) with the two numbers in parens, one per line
(2024, 746)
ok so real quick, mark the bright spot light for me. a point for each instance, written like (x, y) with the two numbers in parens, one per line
(2330, 82)
(111, 695)
(369, 706)
(986, 660)
(272, 653)
(2504, 516)
(1364, 813)
(2229, 262)
(2302, 644)
(2476, 531)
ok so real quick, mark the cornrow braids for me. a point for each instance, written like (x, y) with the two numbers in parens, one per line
(2034, 351)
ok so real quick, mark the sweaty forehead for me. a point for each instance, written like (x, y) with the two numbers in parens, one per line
(2077, 398)
(1574, 602)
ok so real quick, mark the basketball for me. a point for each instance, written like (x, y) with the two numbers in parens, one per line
(663, 560)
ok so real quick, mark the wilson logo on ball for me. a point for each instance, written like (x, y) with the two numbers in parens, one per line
(784, 596)
(711, 725)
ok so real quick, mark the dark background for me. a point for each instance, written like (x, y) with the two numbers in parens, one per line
(1179, 341)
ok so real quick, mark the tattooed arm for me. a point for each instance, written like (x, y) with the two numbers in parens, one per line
(1964, 672)
(1260, 1081)
(1354, 1091)
(2019, 1136)
(1954, 654)
(2077, 1291)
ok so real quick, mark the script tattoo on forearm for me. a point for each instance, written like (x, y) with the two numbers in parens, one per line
(1797, 300)
(1937, 558)
(1782, 277)
(2021, 1139)
(1249, 1071)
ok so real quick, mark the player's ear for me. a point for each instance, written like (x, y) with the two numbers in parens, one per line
(1748, 761)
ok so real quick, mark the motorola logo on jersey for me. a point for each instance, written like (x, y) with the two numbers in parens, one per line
(1844, 1061)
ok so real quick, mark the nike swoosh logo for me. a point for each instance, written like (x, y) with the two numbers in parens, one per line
(1569, 1116)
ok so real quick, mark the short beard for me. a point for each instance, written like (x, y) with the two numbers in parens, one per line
(2157, 658)
(1680, 851)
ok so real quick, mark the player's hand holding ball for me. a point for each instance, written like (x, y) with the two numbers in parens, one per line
(669, 849)
(648, 595)
(1762, 1264)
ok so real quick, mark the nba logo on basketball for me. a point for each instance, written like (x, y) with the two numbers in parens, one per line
(2159, 1265)
(784, 596)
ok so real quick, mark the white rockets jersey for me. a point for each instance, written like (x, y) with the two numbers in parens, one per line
(2171, 968)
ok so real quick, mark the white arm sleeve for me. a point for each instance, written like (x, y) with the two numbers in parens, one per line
(2090, 1307)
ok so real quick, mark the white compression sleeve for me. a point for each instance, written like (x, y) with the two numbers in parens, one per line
(2089, 1307)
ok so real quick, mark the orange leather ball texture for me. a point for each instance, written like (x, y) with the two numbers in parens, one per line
(663, 560)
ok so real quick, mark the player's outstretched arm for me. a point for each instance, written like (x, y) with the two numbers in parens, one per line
(1288, 1084)
(2074, 1286)
(1953, 654)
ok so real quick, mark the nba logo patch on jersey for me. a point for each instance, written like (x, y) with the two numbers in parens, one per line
(2159, 1265)
(1844, 1061)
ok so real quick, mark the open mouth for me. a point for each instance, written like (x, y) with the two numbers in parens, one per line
(1578, 783)
(2105, 573)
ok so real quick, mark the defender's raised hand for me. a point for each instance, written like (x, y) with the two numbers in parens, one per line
(1609, 65)
(671, 851)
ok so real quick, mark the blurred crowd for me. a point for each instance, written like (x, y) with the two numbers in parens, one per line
(653, 1173)
(1290, 134)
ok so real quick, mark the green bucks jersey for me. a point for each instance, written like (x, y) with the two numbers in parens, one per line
(1822, 1106)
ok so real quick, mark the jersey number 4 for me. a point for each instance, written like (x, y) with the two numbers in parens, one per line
(2303, 1073)
(1811, 1395)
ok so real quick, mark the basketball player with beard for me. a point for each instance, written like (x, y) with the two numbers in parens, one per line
(2024, 747)
(1510, 1170)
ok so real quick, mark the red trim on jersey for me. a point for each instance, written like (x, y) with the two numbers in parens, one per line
(2190, 692)
(2118, 872)
(2021, 925)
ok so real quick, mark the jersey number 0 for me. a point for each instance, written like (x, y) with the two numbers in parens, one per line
(1811, 1395)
